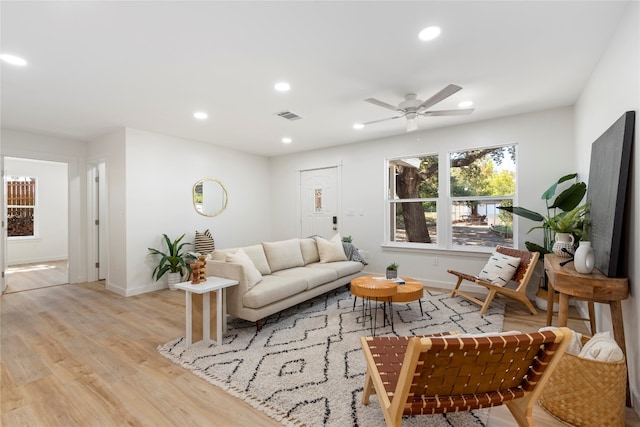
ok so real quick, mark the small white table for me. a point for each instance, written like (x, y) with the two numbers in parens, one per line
(198, 306)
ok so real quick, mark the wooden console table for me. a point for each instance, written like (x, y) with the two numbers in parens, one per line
(594, 287)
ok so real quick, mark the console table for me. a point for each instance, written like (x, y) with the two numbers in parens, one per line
(200, 320)
(594, 287)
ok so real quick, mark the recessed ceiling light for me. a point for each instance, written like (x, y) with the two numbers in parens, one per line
(282, 86)
(358, 126)
(13, 60)
(200, 115)
(287, 140)
(429, 33)
(465, 104)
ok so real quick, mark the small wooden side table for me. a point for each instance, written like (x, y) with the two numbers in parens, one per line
(200, 320)
(594, 287)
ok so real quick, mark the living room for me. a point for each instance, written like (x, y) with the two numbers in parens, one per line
(150, 176)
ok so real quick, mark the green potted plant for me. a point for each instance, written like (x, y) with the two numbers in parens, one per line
(392, 271)
(174, 261)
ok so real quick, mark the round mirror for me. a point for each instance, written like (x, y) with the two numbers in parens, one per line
(209, 197)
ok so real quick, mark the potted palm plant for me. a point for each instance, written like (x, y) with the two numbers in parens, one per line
(174, 262)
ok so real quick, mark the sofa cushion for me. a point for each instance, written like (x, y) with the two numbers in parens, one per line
(283, 254)
(309, 249)
(342, 268)
(330, 250)
(272, 289)
(499, 269)
(313, 276)
(256, 253)
(204, 243)
(251, 273)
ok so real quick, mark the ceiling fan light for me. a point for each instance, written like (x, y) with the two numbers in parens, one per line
(412, 124)
(358, 126)
(465, 104)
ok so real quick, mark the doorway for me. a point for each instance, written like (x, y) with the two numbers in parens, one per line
(320, 202)
(37, 203)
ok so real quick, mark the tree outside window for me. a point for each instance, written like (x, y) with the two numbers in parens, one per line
(21, 206)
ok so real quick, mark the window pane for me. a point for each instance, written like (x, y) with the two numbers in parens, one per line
(481, 223)
(21, 200)
(19, 222)
(414, 222)
(483, 172)
(413, 178)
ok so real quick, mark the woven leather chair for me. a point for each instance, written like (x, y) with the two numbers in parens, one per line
(522, 275)
(434, 375)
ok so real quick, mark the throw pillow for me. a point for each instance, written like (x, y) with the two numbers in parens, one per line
(251, 273)
(499, 269)
(204, 242)
(330, 250)
(283, 254)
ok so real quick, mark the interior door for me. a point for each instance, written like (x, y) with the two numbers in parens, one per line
(3, 240)
(319, 202)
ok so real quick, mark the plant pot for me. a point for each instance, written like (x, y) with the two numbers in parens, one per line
(392, 274)
(173, 279)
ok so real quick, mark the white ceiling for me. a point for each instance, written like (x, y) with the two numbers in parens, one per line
(98, 66)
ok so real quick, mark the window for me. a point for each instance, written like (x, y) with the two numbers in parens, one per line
(413, 199)
(463, 208)
(480, 181)
(21, 206)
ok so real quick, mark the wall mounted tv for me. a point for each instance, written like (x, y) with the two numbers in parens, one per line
(606, 194)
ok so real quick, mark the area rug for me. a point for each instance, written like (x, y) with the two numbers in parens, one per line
(306, 368)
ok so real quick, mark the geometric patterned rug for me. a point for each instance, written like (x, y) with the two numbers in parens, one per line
(306, 368)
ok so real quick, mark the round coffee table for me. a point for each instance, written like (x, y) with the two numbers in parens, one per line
(371, 287)
(412, 290)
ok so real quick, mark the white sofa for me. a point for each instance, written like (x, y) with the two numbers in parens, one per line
(288, 273)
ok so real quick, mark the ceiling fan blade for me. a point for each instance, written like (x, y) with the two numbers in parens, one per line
(460, 112)
(381, 120)
(443, 94)
(381, 104)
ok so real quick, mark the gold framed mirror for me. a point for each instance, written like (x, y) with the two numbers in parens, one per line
(210, 197)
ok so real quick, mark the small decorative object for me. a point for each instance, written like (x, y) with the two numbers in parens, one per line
(203, 268)
(347, 239)
(172, 262)
(392, 271)
(584, 259)
(563, 241)
(195, 272)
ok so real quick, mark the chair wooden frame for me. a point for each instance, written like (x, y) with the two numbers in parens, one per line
(522, 275)
(441, 374)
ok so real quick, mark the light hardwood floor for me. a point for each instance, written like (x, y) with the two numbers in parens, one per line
(26, 277)
(78, 355)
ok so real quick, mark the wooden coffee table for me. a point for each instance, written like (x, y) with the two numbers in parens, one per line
(412, 290)
(371, 287)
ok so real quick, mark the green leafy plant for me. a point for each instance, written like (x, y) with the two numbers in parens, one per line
(393, 267)
(347, 239)
(175, 260)
(564, 214)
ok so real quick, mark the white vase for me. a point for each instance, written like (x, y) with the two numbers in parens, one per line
(563, 241)
(584, 259)
(173, 279)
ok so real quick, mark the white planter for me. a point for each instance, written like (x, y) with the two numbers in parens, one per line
(173, 279)
(563, 241)
(584, 260)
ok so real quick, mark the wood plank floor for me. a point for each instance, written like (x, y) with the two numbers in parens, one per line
(78, 355)
(25, 277)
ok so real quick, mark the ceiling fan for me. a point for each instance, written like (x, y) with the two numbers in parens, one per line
(412, 107)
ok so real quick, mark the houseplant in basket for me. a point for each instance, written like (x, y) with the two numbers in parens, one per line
(174, 262)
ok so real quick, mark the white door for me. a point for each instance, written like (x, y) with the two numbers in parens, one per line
(319, 202)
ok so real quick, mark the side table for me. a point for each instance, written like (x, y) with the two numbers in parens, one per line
(199, 300)
(594, 287)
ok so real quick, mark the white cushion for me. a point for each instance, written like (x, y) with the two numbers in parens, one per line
(602, 347)
(330, 250)
(283, 254)
(309, 249)
(256, 253)
(499, 269)
(251, 273)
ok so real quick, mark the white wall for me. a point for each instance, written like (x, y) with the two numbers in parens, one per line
(51, 223)
(73, 153)
(613, 89)
(160, 174)
(545, 150)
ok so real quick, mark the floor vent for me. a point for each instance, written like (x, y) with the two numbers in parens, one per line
(288, 115)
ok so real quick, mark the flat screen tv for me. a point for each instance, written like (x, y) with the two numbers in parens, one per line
(606, 193)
